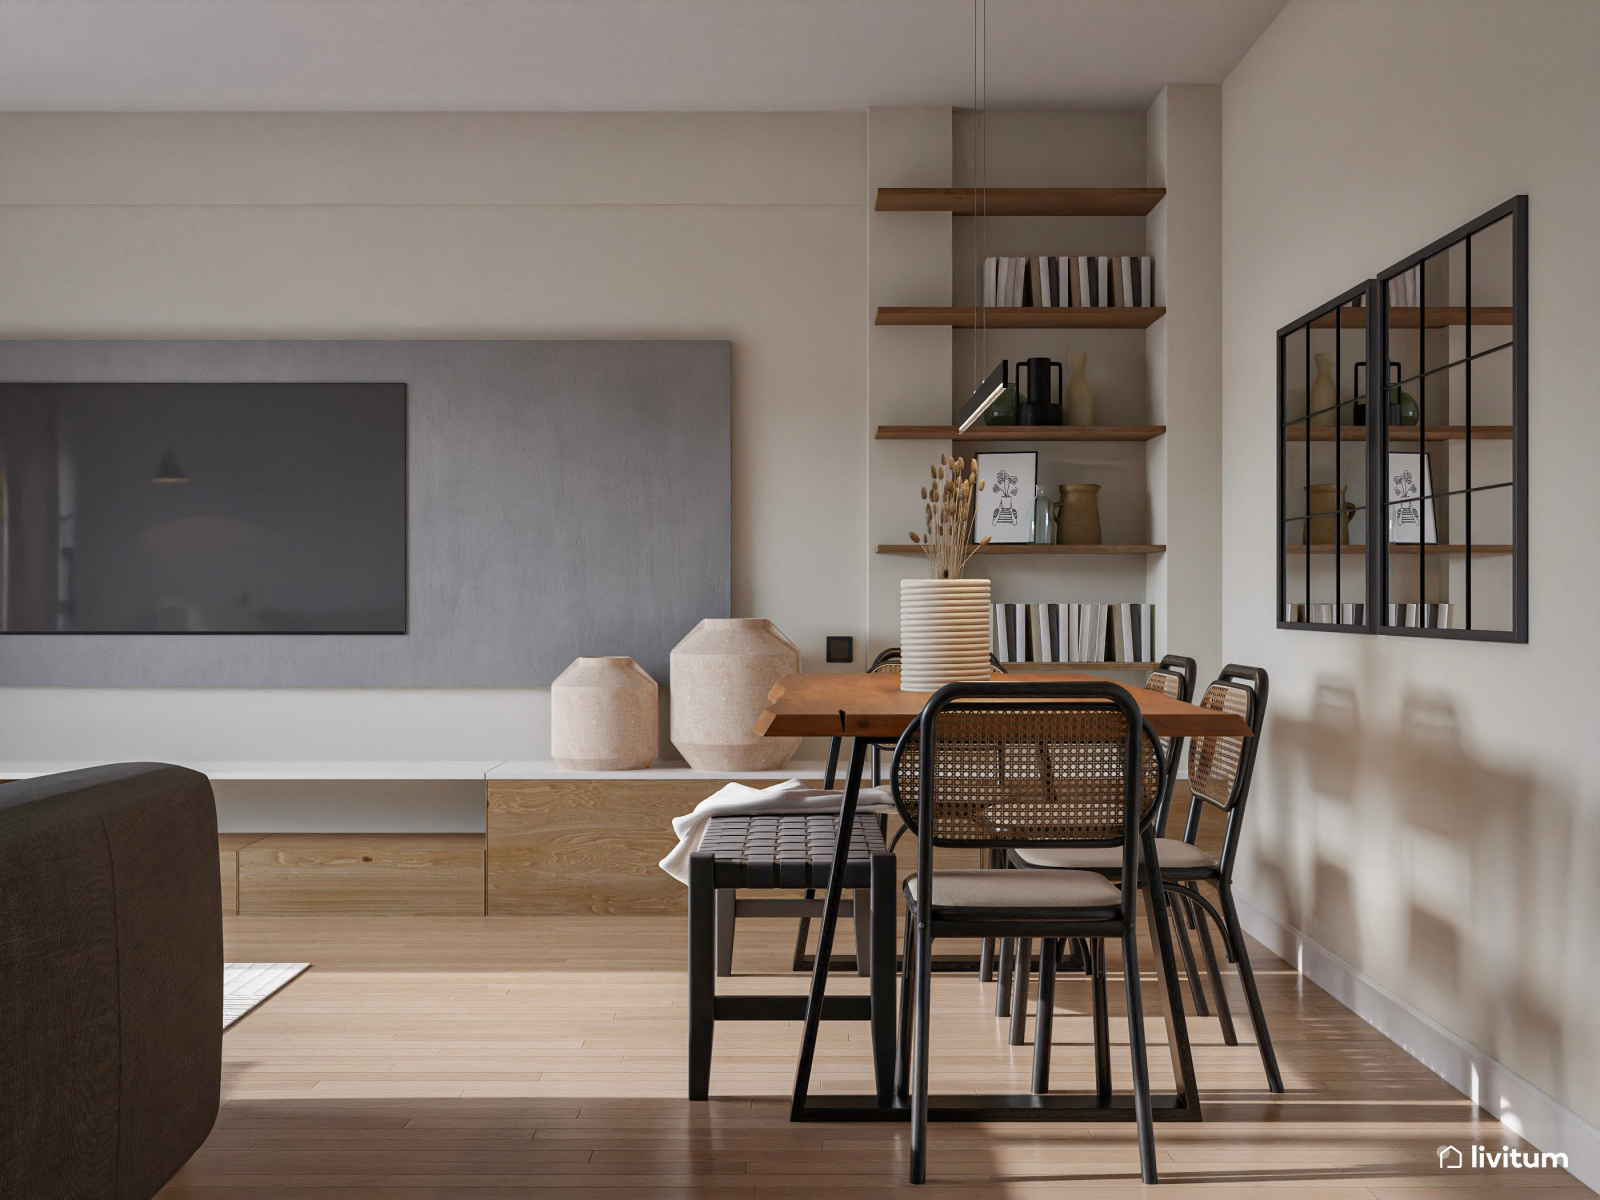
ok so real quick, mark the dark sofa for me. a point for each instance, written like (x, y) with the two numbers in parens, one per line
(110, 980)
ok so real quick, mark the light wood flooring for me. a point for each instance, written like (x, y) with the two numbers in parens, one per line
(499, 1057)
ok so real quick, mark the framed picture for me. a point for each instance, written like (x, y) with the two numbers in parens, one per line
(1412, 519)
(1003, 509)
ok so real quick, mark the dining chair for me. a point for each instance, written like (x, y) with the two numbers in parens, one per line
(1220, 771)
(1173, 677)
(1043, 766)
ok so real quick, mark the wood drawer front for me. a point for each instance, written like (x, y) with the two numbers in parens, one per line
(586, 845)
(363, 874)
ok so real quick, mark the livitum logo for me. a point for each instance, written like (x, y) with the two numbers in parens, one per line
(1480, 1157)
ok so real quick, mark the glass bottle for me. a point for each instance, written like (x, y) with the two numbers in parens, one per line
(1044, 518)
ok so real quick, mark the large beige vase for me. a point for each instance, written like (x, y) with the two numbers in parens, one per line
(721, 674)
(604, 716)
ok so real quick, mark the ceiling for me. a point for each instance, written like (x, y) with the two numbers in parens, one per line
(607, 55)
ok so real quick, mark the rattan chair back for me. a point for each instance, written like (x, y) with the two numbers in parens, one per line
(1025, 773)
(1216, 764)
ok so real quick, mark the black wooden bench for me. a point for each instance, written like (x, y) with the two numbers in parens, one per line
(788, 851)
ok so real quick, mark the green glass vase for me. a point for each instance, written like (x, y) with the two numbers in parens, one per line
(1004, 410)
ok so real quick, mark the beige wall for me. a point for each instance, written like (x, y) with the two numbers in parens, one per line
(1428, 811)
(746, 227)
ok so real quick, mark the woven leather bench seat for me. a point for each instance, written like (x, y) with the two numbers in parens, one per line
(789, 850)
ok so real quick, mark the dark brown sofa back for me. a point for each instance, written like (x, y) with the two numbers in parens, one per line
(110, 980)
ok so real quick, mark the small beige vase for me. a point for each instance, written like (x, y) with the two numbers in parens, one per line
(603, 716)
(1323, 399)
(721, 674)
(1078, 394)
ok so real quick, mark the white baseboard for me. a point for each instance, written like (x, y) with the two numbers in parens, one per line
(1499, 1091)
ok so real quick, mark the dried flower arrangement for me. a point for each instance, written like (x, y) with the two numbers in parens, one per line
(947, 542)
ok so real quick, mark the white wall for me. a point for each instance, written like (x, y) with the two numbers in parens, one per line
(745, 227)
(1428, 812)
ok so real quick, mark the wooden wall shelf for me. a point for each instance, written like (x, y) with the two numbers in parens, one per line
(1029, 548)
(1023, 202)
(1407, 318)
(1401, 433)
(1019, 433)
(1406, 549)
(1024, 318)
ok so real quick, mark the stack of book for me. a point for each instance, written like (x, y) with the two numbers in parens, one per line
(1075, 633)
(1068, 281)
(1325, 614)
(1419, 616)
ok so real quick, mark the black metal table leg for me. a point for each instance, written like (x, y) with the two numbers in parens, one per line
(883, 975)
(830, 919)
(702, 971)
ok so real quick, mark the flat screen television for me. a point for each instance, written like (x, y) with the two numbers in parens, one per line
(202, 508)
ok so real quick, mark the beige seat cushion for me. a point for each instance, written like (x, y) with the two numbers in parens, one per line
(1020, 889)
(1173, 855)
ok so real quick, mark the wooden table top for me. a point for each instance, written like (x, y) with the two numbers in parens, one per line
(813, 704)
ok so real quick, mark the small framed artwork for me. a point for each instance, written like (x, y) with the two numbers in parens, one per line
(1412, 515)
(1003, 508)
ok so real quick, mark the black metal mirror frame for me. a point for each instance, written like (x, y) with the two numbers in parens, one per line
(1376, 578)
(1516, 209)
(1367, 292)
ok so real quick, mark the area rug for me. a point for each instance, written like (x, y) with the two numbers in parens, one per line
(245, 985)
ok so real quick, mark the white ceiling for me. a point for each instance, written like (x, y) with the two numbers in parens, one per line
(607, 55)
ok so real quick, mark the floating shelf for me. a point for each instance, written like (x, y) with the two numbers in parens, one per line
(1405, 549)
(1401, 433)
(1024, 318)
(1440, 317)
(1019, 433)
(1025, 667)
(1029, 548)
(1022, 202)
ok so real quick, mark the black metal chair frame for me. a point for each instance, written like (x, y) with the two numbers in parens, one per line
(1183, 883)
(924, 924)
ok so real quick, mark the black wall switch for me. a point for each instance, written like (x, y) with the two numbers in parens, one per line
(841, 649)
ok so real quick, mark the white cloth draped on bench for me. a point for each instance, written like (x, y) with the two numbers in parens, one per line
(738, 799)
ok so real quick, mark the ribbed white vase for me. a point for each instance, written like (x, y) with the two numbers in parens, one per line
(944, 633)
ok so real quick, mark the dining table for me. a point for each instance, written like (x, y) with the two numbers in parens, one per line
(873, 709)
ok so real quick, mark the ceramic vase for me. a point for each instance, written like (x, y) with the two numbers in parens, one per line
(1324, 395)
(721, 674)
(603, 716)
(1079, 395)
(1328, 515)
(1080, 514)
(944, 632)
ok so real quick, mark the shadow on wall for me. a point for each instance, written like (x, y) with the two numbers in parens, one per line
(1451, 880)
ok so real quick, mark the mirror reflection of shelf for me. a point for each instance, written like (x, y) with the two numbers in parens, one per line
(1031, 548)
(1400, 433)
(1438, 317)
(1406, 549)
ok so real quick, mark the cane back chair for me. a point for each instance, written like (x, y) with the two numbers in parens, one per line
(1006, 765)
(1220, 771)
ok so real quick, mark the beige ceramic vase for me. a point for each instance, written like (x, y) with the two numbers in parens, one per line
(721, 674)
(1079, 523)
(944, 633)
(603, 716)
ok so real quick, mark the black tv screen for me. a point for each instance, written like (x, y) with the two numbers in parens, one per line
(203, 507)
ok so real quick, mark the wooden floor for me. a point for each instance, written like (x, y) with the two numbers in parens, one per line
(501, 1057)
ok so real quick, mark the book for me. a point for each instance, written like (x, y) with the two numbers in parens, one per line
(1068, 283)
(1019, 290)
(1052, 266)
(1050, 642)
(1003, 282)
(1083, 295)
(1147, 298)
(990, 266)
(1012, 641)
(1034, 296)
(1102, 293)
(1121, 282)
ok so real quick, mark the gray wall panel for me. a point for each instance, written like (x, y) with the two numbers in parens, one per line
(565, 498)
